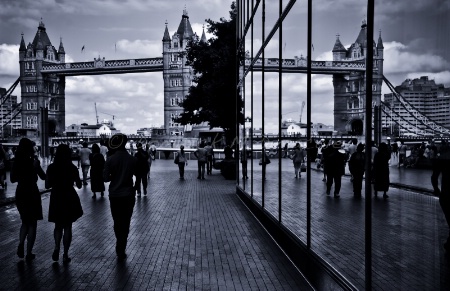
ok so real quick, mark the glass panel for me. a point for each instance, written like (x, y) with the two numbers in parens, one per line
(337, 224)
(409, 229)
(294, 123)
(257, 125)
(271, 107)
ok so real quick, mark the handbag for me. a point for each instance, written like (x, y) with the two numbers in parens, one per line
(76, 211)
(303, 167)
(177, 159)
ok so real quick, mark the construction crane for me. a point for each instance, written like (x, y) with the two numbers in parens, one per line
(109, 114)
(96, 114)
(301, 111)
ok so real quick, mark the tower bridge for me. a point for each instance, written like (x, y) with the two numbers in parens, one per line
(43, 70)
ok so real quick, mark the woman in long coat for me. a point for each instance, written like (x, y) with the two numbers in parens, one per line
(142, 169)
(298, 158)
(97, 161)
(25, 171)
(381, 170)
(65, 207)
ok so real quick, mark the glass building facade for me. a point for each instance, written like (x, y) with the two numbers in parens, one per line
(358, 243)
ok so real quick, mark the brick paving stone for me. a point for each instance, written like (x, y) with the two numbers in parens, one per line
(185, 235)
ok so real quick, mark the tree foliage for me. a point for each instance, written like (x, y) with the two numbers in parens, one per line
(213, 96)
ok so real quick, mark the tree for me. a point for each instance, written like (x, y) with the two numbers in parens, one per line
(213, 97)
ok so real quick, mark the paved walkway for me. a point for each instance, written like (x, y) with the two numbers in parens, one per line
(197, 235)
(185, 235)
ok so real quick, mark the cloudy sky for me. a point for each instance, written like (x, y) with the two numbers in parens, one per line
(415, 35)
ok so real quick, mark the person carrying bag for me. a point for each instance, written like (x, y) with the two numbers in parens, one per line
(181, 161)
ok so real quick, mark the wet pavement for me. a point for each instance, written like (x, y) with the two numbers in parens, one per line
(196, 234)
(185, 235)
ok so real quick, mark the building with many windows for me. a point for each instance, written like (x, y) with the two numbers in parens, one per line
(427, 97)
(39, 90)
(104, 129)
(177, 76)
(9, 123)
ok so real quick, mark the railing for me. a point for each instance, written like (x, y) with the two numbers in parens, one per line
(102, 64)
(301, 63)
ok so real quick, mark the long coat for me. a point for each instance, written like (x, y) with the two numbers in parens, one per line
(65, 206)
(97, 164)
(381, 171)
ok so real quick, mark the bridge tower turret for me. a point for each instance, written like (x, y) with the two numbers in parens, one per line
(349, 90)
(39, 90)
(177, 76)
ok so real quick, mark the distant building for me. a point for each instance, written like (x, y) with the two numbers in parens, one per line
(427, 97)
(322, 129)
(147, 132)
(105, 129)
(5, 110)
(291, 127)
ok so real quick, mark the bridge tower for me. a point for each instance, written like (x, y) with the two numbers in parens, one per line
(176, 74)
(349, 90)
(41, 90)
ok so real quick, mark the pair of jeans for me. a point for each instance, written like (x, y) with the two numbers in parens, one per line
(85, 170)
(209, 164)
(121, 211)
(337, 182)
(181, 169)
(201, 169)
(357, 184)
(141, 178)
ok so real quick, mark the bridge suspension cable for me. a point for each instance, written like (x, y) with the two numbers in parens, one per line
(390, 112)
(8, 93)
(431, 127)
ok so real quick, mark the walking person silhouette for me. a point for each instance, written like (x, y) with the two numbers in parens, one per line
(181, 161)
(119, 169)
(65, 207)
(142, 169)
(97, 162)
(25, 171)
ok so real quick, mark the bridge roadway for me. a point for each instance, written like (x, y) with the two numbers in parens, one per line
(196, 234)
(102, 66)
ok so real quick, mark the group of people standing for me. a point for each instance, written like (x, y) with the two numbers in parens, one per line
(65, 207)
(334, 159)
(93, 161)
(205, 159)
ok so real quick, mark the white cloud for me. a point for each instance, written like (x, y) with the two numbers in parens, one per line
(9, 60)
(399, 60)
